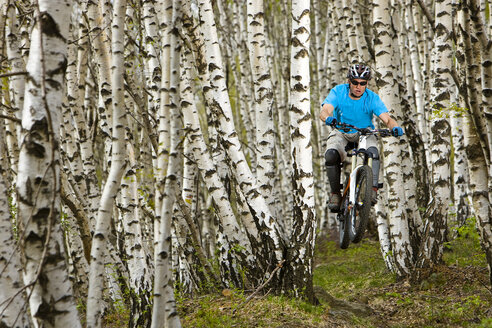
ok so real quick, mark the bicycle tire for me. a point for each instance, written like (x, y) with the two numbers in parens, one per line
(343, 225)
(359, 214)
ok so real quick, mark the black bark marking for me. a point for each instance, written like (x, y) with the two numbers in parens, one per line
(35, 138)
(49, 27)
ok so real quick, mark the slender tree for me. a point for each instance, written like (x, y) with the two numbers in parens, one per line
(117, 166)
(13, 299)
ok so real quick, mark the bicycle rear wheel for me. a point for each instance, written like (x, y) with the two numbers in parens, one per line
(343, 225)
(359, 214)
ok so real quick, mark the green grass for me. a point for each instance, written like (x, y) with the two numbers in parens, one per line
(356, 268)
(464, 250)
(456, 294)
(356, 290)
(269, 311)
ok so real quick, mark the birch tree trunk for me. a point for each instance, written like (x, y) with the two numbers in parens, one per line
(13, 312)
(164, 311)
(16, 62)
(478, 183)
(138, 257)
(163, 112)
(45, 267)
(299, 258)
(388, 91)
(118, 163)
(265, 131)
(441, 92)
(485, 51)
(473, 136)
(416, 69)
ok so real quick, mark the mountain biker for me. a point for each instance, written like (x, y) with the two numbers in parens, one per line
(354, 104)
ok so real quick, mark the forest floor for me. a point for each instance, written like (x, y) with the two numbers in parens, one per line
(356, 290)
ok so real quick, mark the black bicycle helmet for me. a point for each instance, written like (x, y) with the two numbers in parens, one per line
(359, 71)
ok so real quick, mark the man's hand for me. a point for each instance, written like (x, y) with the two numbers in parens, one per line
(330, 120)
(397, 131)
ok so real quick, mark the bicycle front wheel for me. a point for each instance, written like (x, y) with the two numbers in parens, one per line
(359, 214)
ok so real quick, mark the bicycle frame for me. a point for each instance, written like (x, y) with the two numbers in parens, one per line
(354, 168)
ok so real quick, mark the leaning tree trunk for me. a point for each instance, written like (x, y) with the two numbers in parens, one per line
(38, 186)
(215, 187)
(118, 162)
(218, 98)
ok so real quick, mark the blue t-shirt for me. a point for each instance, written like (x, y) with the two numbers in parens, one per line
(355, 112)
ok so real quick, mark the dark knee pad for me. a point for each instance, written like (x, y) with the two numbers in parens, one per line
(333, 169)
(375, 165)
(332, 157)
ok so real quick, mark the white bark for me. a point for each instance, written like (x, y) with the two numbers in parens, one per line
(461, 190)
(221, 108)
(245, 80)
(12, 298)
(152, 63)
(416, 70)
(354, 55)
(478, 183)
(164, 311)
(209, 174)
(441, 91)
(388, 92)
(384, 235)
(265, 133)
(118, 162)
(51, 301)
(303, 233)
(163, 112)
(14, 98)
(138, 257)
(16, 63)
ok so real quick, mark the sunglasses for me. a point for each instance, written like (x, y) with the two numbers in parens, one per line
(363, 83)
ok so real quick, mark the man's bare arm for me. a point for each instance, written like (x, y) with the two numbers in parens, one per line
(326, 111)
(388, 120)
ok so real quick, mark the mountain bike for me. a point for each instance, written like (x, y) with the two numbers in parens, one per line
(355, 207)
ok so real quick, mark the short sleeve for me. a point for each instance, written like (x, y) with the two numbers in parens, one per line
(378, 106)
(332, 98)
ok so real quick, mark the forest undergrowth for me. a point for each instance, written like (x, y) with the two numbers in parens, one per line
(355, 289)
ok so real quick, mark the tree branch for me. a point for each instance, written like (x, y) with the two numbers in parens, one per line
(426, 13)
(279, 266)
(12, 118)
(13, 74)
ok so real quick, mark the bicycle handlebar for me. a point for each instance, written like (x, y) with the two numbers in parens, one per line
(364, 131)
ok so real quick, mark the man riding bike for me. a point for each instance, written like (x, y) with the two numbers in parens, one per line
(353, 104)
